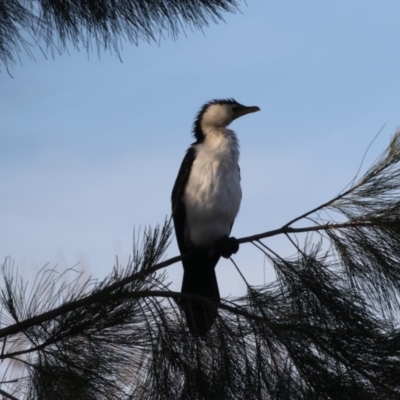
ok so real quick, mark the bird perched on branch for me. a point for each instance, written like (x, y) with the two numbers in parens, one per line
(205, 201)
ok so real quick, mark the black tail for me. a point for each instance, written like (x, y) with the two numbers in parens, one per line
(199, 279)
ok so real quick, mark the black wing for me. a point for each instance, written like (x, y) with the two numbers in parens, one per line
(178, 192)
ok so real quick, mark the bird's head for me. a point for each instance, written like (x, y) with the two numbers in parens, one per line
(218, 114)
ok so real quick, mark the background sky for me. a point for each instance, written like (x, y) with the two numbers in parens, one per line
(90, 148)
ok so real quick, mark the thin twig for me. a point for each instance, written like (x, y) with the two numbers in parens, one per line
(8, 395)
(287, 229)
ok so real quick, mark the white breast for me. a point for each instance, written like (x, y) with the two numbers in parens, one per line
(213, 192)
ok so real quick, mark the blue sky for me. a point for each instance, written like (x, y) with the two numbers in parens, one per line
(90, 148)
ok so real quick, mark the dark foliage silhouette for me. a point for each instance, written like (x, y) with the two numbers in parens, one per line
(327, 328)
(102, 24)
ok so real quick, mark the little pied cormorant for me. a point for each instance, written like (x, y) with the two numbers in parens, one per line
(205, 201)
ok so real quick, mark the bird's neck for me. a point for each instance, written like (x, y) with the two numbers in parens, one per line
(222, 142)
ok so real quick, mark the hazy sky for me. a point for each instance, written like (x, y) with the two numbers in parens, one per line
(90, 148)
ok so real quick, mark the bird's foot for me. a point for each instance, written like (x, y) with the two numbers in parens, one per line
(227, 246)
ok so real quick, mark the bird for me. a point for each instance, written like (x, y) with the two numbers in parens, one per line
(205, 202)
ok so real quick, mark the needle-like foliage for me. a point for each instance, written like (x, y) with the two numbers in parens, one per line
(104, 23)
(326, 328)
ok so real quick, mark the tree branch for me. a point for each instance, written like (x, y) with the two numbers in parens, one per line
(287, 229)
(323, 322)
(100, 295)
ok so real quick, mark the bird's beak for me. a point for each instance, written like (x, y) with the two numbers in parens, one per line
(243, 110)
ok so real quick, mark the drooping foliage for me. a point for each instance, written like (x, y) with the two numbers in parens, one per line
(326, 328)
(103, 24)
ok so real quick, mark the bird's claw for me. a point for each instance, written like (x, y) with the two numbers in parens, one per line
(227, 246)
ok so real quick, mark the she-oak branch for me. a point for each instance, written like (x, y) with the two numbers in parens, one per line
(391, 156)
(99, 296)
